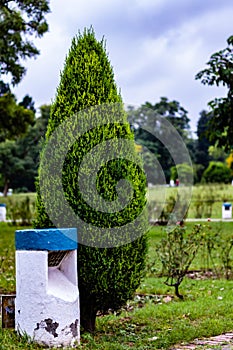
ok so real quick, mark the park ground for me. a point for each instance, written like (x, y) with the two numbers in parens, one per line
(155, 318)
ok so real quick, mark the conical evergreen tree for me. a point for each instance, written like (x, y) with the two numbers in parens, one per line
(110, 267)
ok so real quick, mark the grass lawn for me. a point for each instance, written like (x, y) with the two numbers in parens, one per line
(204, 200)
(154, 319)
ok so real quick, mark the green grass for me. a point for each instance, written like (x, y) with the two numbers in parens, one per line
(7, 259)
(17, 196)
(149, 322)
(201, 315)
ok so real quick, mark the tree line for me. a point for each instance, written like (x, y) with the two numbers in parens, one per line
(23, 137)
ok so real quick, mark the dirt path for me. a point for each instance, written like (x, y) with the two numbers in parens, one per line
(220, 342)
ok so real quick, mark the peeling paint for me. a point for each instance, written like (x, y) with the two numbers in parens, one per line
(47, 333)
(74, 328)
(49, 326)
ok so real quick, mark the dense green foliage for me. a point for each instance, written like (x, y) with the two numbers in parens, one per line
(15, 118)
(217, 172)
(15, 121)
(19, 158)
(219, 72)
(107, 276)
(19, 20)
(174, 112)
(148, 129)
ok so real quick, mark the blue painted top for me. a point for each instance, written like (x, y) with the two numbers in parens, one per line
(227, 205)
(46, 239)
(2, 205)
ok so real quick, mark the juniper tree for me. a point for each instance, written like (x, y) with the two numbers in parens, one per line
(109, 273)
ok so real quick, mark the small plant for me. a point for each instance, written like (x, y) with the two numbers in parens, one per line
(177, 252)
(225, 256)
(217, 251)
(209, 243)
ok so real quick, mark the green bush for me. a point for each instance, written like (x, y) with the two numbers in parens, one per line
(217, 172)
(108, 277)
(176, 252)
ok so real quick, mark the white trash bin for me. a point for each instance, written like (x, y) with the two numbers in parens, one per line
(2, 212)
(226, 211)
(47, 296)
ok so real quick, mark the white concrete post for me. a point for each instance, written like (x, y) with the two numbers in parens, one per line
(47, 296)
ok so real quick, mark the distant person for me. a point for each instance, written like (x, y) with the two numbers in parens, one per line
(172, 183)
(177, 182)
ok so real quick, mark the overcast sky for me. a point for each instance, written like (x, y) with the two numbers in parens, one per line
(156, 47)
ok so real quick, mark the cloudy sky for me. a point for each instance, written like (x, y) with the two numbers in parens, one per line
(155, 47)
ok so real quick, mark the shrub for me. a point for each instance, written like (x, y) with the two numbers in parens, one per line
(107, 276)
(217, 172)
(217, 248)
(177, 252)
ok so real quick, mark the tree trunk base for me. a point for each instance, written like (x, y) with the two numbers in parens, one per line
(88, 314)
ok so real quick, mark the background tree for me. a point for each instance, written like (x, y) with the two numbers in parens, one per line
(19, 159)
(107, 276)
(20, 19)
(28, 103)
(201, 151)
(146, 117)
(14, 118)
(203, 143)
(10, 164)
(217, 154)
(185, 172)
(28, 150)
(220, 71)
(174, 112)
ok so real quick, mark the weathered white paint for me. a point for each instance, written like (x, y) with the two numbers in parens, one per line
(47, 299)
